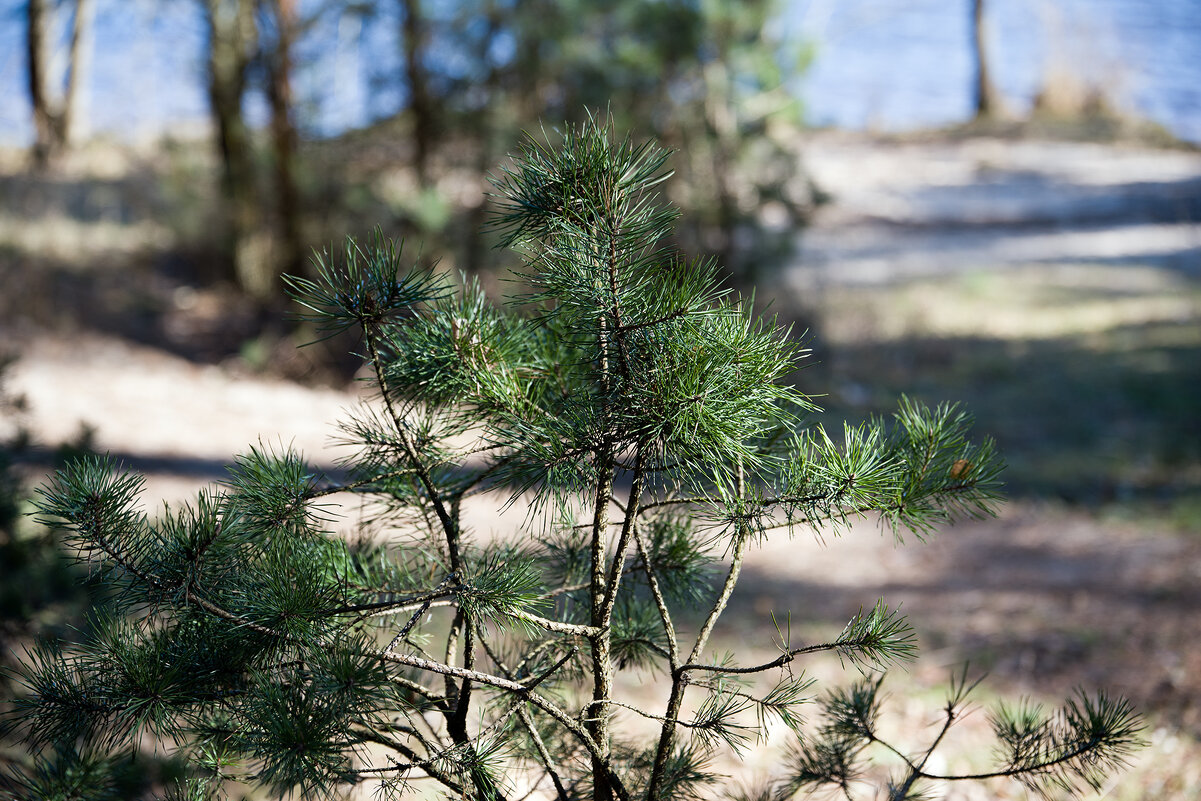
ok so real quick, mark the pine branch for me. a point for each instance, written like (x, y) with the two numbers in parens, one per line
(427, 764)
(248, 633)
(623, 545)
(450, 527)
(673, 644)
(679, 677)
(537, 700)
(543, 754)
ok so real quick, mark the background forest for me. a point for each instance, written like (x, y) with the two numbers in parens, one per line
(1024, 239)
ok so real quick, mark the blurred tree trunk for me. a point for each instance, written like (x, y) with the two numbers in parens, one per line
(986, 97)
(283, 134)
(54, 118)
(721, 130)
(420, 107)
(44, 118)
(81, 28)
(475, 249)
(233, 42)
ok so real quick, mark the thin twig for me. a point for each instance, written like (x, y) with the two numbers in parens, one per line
(673, 644)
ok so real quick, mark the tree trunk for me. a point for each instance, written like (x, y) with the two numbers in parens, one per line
(54, 116)
(38, 46)
(475, 249)
(284, 137)
(721, 134)
(420, 107)
(233, 39)
(987, 99)
(78, 64)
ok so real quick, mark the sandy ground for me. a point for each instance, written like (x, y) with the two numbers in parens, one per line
(1045, 598)
(922, 208)
(178, 421)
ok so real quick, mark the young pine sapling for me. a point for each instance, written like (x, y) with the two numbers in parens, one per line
(638, 412)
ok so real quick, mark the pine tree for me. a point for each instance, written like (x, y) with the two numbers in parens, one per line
(637, 411)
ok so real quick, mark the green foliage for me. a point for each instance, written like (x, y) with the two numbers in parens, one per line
(10, 485)
(69, 775)
(714, 79)
(636, 410)
(40, 593)
(1053, 756)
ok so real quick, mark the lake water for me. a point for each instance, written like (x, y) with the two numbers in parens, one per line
(881, 64)
(896, 64)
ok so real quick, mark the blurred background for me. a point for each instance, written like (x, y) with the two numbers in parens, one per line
(990, 201)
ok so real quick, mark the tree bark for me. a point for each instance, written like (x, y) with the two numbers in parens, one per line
(80, 32)
(721, 134)
(284, 136)
(475, 249)
(420, 107)
(987, 100)
(597, 720)
(54, 116)
(38, 44)
(233, 40)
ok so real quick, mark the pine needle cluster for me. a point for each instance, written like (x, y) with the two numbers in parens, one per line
(637, 410)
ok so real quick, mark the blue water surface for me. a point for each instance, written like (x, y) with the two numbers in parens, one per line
(885, 65)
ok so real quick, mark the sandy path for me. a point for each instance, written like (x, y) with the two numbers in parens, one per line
(923, 208)
(176, 420)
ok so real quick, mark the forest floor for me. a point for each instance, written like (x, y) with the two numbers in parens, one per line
(1055, 287)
